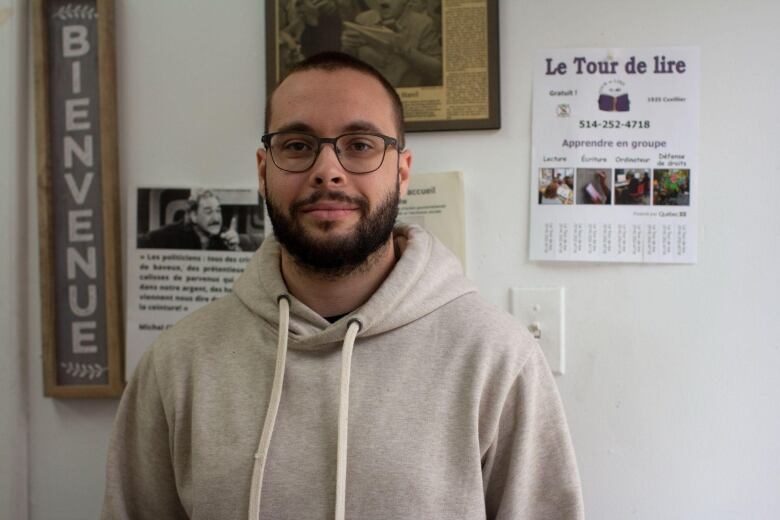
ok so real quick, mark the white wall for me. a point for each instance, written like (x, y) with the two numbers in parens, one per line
(13, 294)
(672, 385)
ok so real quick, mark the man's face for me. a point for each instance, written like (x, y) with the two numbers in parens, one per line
(328, 219)
(391, 9)
(208, 216)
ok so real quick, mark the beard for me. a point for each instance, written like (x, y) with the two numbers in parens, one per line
(336, 256)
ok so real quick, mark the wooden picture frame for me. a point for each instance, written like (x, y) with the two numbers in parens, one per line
(463, 93)
(78, 198)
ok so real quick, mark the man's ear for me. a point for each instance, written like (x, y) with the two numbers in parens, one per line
(262, 156)
(404, 168)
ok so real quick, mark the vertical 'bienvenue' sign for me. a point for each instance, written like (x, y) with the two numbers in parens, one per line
(75, 219)
(78, 223)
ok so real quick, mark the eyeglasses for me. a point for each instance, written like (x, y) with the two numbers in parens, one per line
(296, 152)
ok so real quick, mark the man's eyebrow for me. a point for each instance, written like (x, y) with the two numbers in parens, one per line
(354, 126)
(295, 126)
(362, 126)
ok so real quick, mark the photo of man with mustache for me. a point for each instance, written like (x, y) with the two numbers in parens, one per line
(202, 228)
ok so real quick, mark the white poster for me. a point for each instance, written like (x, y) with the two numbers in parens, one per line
(435, 202)
(615, 160)
(185, 248)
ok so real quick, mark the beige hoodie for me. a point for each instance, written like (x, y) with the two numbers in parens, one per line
(452, 410)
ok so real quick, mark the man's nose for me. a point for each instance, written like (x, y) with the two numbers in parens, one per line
(327, 169)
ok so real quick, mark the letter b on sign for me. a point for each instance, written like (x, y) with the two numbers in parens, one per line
(74, 41)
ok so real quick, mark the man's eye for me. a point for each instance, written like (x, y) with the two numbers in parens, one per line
(296, 146)
(360, 146)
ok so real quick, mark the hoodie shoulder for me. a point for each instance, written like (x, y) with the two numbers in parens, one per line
(499, 335)
(208, 328)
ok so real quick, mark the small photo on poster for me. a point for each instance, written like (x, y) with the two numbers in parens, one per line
(594, 186)
(556, 186)
(199, 219)
(671, 187)
(632, 186)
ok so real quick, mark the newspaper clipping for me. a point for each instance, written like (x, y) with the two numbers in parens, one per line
(186, 246)
(615, 155)
(435, 52)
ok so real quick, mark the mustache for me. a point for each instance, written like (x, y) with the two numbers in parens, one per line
(333, 195)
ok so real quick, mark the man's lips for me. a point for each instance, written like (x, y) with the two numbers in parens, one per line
(329, 210)
(329, 206)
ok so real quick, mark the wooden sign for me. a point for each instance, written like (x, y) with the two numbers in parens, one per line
(78, 198)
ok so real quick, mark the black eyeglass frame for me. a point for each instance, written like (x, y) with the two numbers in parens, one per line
(389, 141)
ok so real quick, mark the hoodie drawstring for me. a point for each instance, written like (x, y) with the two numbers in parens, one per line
(273, 407)
(341, 455)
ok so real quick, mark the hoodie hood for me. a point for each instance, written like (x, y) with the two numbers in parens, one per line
(426, 276)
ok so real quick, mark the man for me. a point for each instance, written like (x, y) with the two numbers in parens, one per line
(445, 409)
(202, 229)
(399, 41)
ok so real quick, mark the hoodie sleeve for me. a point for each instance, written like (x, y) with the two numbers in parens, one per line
(529, 470)
(140, 481)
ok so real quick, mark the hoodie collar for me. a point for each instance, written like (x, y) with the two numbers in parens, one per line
(425, 277)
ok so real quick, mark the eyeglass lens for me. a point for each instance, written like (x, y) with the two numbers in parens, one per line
(357, 153)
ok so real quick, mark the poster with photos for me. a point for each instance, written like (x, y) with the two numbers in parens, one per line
(615, 155)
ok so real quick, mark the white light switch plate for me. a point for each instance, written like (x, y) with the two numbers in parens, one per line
(544, 308)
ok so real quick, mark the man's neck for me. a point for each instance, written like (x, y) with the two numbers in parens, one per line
(333, 296)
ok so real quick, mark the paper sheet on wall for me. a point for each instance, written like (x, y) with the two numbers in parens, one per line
(435, 202)
(615, 160)
(169, 275)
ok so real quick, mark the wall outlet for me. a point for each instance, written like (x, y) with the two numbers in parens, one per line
(542, 311)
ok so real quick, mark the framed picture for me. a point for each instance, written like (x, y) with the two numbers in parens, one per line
(441, 55)
(78, 198)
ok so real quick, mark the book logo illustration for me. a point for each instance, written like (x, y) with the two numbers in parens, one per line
(613, 97)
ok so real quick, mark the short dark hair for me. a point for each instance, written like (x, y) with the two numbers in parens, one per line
(333, 61)
(196, 195)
